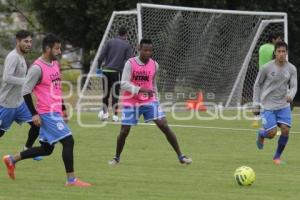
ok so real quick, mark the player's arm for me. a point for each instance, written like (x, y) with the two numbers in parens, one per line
(128, 52)
(103, 55)
(125, 81)
(154, 81)
(262, 74)
(64, 111)
(32, 79)
(293, 85)
(10, 65)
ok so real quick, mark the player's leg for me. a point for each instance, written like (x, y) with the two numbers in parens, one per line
(10, 160)
(68, 159)
(124, 132)
(7, 117)
(33, 134)
(269, 124)
(23, 115)
(103, 114)
(115, 95)
(130, 117)
(153, 112)
(284, 119)
(1, 132)
(171, 137)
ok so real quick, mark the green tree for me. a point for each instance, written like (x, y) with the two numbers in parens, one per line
(78, 22)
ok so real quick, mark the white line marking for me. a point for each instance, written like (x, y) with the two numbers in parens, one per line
(201, 127)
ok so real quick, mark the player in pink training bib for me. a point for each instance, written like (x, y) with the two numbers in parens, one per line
(139, 97)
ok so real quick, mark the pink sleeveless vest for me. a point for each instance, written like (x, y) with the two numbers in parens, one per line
(48, 92)
(142, 76)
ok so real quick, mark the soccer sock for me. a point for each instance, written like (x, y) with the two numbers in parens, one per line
(263, 133)
(282, 141)
(1, 132)
(32, 135)
(43, 150)
(12, 159)
(67, 153)
(71, 180)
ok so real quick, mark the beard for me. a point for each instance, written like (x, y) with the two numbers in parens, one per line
(24, 50)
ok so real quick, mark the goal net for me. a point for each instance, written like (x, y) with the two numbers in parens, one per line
(213, 51)
(207, 50)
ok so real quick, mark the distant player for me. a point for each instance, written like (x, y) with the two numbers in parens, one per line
(44, 80)
(139, 98)
(12, 105)
(115, 53)
(265, 55)
(274, 89)
(266, 51)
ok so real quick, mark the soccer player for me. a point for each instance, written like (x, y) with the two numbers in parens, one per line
(12, 105)
(265, 55)
(274, 89)
(44, 80)
(115, 53)
(139, 98)
(266, 51)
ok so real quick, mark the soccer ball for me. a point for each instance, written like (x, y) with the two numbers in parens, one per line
(244, 176)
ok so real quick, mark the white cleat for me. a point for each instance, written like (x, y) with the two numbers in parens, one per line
(103, 116)
(185, 160)
(115, 118)
(114, 161)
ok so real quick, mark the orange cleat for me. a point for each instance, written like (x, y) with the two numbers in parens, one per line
(78, 183)
(278, 161)
(10, 166)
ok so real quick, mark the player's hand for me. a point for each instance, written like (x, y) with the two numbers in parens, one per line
(256, 110)
(99, 72)
(65, 116)
(36, 119)
(289, 99)
(147, 92)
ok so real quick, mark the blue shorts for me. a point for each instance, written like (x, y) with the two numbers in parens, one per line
(53, 128)
(271, 118)
(9, 115)
(151, 111)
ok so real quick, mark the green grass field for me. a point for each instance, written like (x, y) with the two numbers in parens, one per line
(149, 169)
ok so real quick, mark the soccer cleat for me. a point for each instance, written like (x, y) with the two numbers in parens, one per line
(114, 161)
(103, 116)
(115, 118)
(78, 183)
(7, 159)
(185, 160)
(259, 141)
(38, 158)
(278, 161)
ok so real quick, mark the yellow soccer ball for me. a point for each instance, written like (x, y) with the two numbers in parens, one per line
(244, 176)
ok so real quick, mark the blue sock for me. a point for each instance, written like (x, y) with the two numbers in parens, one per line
(12, 159)
(117, 158)
(263, 133)
(282, 141)
(71, 180)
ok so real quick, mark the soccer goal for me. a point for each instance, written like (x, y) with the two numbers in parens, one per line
(208, 50)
